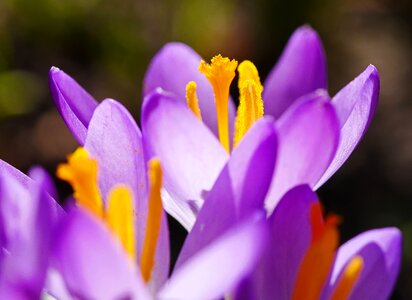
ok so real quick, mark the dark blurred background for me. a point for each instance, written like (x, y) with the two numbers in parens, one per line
(107, 45)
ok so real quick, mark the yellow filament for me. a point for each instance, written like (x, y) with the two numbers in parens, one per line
(81, 172)
(250, 109)
(349, 277)
(192, 100)
(119, 218)
(220, 73)
(153, 219)
(317, 262)
(248, 71)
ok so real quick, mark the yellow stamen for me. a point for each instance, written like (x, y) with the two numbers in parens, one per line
(220, 74)
(191, 98)
(81, 172)
(248, 71)
(153, 219)
(119, 218)
(250, 109)
(349, 277)
(317, 262)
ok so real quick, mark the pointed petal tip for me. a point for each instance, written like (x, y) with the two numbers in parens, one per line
(305, 34)
(54, 70)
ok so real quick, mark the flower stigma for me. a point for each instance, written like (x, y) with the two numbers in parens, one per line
(220, 73)
(320, 256)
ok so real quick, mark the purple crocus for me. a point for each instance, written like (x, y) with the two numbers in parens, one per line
(316, 134)
(28, 215)
(114, 142)
(301, 257)
(108, 273)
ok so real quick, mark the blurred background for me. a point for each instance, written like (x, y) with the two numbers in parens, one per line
(107, 45)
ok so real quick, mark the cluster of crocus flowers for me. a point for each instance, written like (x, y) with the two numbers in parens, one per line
(242, 183)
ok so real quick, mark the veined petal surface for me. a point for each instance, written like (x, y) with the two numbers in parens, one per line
(92, 263)
(190, 154)
(239, 191)
(355, 105)
(308, 138)
(115, 141)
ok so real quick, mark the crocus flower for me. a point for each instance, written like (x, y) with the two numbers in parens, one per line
(108, 273)
(110, 161)
(27, 218)
(302, 260)
(316, 134)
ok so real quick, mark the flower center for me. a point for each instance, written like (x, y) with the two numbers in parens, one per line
(318, 260)
(81, 172)
(220, 73)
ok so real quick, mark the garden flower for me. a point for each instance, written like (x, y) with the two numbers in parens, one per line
(316, 134)
(112, 159)
(302, 260)
(108, 273)
(114, 140)
(27, 216)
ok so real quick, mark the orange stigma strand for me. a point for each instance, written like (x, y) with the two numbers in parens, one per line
(220, 73)
(348, 279)
(317, 262)
(81, 172)
(153, 219)
(119, 218)
(192, 100)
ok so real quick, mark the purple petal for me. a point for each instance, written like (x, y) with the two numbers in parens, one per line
(290, 236)
(172, 68)
(92, 263)
(115, 141)
(300, 70)
(190, 154)
(74, 104)
(29, 183)
(40, 175)
(218, 268)
(55, 286)
(239, 191)
(381, 250)
(27, 223)
(355, 105)
(308, 138)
